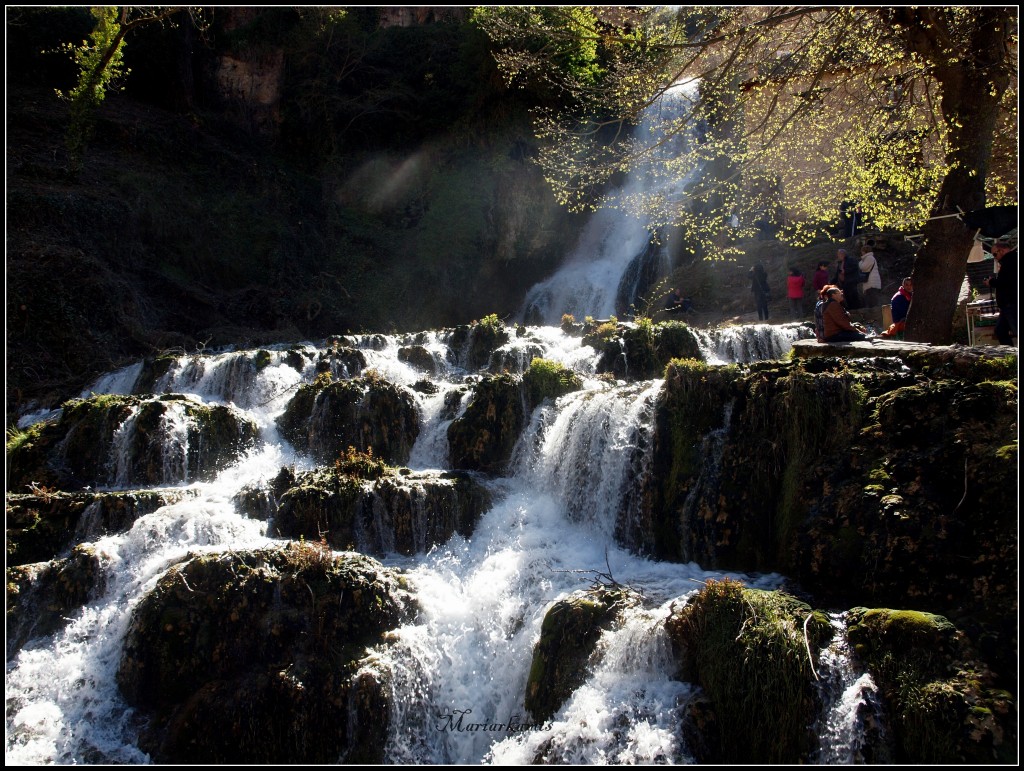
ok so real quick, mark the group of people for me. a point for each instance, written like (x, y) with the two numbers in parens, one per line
(832, 322)
(849, 274)
(839, 291)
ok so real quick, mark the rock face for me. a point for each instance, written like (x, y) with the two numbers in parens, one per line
(131, 441)
(748, 649)
(41, 526)
(483, 437)
(257, 657)
(941, 701)
(41, 595)
(404, 512)
(818, 468)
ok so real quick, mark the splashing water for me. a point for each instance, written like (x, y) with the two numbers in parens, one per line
(549, 532)
(851, 704)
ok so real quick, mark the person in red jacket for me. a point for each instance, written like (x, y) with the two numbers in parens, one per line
(795, 291)
(820, 277)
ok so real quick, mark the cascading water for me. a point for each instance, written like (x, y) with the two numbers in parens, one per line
(851, 720)
(459, 672)
(619, 255)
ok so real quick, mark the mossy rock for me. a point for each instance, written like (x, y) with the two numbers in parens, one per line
(568, 638)
(293, 422)
(41, 596)
(255, 657)
(485, 337)
(341, 362)
(641, 351)
(396, 512)
(418, 357)
(367, 413)
(41, 526)
(77, 451)
(320, 504)
(747, 650)
(940, 701)
(483, 437)
(546, 379)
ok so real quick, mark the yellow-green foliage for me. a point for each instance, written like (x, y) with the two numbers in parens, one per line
(492, 323)
(546, 379)
(17, 437)
(356, 463)
(746, 648)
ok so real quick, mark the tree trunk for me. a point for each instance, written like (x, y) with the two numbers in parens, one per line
(972, 83)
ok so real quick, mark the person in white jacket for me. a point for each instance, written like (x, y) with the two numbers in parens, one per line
(871, 288)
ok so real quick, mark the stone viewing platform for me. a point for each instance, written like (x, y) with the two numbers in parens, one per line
(877, 346)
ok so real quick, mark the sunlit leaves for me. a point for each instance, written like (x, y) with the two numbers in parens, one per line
(794, 110)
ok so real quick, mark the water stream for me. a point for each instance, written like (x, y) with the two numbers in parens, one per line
(465, 662)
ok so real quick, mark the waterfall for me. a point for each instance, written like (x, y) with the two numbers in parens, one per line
(754, 342)
(550, 531)
(631, 686)
(619, 255)
(850, 722)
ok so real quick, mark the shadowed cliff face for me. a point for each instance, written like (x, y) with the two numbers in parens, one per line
(236, 214)
(174, 238)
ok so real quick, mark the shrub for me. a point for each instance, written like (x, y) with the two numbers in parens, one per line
(549, 379)
(356, 463)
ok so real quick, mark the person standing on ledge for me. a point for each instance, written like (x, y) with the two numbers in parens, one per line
(847, 276)
(795, 291)
(762, 292)
(872, 284)
(820, 277)
(1005, 284)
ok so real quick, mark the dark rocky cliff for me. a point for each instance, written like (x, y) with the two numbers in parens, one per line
(263, 181)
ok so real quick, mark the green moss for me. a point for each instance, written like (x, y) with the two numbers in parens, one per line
(1007, 453)
(942, 708)
(18, 439)
(568, 636)
(746, 648)
(546, 379)
(262, 359)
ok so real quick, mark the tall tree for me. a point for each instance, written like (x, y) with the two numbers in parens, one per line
(99, 61)
(794, 108)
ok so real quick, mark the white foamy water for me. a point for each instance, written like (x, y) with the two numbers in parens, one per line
(616, 245)
(549, 533)
(851, 703)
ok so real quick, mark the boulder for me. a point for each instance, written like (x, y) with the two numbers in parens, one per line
(258, 657)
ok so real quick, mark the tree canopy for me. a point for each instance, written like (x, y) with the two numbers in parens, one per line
(908, 112)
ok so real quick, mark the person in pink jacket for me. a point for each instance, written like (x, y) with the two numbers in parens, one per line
(795, 291)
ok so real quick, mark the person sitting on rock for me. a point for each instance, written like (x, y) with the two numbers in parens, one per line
(839, 328)
(676, 303)
(819, 312)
